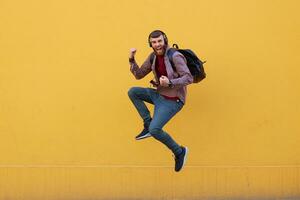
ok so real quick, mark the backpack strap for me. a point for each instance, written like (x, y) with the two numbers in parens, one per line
(170, 54)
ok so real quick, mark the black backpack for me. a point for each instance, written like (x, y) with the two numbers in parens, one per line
(194, 64)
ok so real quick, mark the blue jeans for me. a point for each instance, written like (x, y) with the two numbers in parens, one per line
(164, 110)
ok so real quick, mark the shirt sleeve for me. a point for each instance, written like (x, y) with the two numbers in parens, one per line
(140, 72)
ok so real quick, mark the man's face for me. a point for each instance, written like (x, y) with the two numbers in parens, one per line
(158, 45)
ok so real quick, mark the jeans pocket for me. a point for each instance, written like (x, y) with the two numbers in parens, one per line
(173, 105)
(176, 105)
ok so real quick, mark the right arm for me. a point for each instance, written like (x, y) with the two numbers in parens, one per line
(139, 72)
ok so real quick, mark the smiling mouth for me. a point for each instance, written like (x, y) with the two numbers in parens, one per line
(159, 50)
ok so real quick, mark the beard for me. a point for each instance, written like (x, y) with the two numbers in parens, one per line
(161, 51)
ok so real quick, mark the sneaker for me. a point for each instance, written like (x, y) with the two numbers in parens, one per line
(180, 159)
(144, 134)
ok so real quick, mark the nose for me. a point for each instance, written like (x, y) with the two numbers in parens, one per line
(156, 44)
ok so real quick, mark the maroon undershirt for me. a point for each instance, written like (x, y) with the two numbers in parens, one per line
(161, 70)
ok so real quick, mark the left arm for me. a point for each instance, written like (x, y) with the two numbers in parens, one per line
(185, 76)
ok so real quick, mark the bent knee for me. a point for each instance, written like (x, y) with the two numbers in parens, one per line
(132, 91)
(155, 131)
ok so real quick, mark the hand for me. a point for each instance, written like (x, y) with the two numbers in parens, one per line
(132, 52)
(164, 81)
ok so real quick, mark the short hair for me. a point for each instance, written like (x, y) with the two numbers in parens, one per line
(156, 34)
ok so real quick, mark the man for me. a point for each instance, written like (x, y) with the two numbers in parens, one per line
(169, 96)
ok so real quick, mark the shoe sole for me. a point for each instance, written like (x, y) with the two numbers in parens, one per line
(144, 136)
(185, 156)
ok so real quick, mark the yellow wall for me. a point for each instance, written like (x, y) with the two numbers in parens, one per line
(67, 127)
